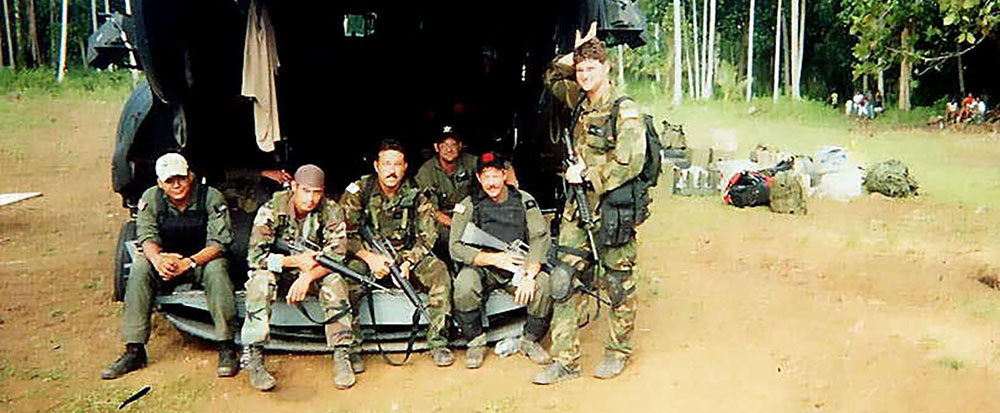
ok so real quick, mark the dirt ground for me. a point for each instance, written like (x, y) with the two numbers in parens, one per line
(869, 306)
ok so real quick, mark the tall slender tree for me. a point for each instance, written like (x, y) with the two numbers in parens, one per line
(63, 35)
(775, 90)
(10, 39)
(704, 51)
(795, 48)
(710, 78)
(35, 50)
(750, 55)
(797, 86)
(696, 91)
(678, 46)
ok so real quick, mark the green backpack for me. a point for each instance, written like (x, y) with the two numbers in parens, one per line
(787, 195)
(891, 178)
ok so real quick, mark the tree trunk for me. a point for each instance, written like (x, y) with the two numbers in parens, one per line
(93, 15)
(905, 69)
(678, 46)
(63, 34)
(656, 66)
(621, 66)
(696, 91)
(864, 83)
(787, 44)
(802, 50)
(52, 55)
(709, 80)
(750, 55)
(107, 6)
(703, 93)
(796, 48)
(961, 73)
(881, 79)
(775, 91)
(691, 82)
(33, 49)
(10, 39)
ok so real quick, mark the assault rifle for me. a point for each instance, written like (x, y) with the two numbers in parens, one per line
(384, 247)
(293, 246)
(582, 205)
(474, 236)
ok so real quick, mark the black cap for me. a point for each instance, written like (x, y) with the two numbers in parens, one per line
(448, 131)
(490, 160)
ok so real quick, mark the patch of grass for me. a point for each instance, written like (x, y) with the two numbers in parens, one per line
(179, 395)
(982, 308)
(78, 82)
(45, 375)
(951, 363)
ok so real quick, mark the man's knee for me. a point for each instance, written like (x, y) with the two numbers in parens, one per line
(142, 271)
(435, 274)
(468, 289)
(216, 274)
(259, 286)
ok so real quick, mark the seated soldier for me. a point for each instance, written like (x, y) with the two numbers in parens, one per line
(183, 229)
(299, 213)
(447, 178)
(393, 208)
(510, 215)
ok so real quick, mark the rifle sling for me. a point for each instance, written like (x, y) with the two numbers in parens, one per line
(415, 328)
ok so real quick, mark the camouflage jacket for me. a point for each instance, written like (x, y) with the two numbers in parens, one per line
(406, 220)
(275, 219)
(611, 160)
(447, 190)
(219, 230)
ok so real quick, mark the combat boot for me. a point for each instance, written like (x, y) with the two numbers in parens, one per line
(229, 363)
(534, 351)
(442, 356)
(612, 365)
(133, 359)
(357, 363)
(343, 372)
(555, 373)
(253, 362)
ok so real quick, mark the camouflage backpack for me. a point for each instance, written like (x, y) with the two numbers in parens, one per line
(787, 194)
(890, 178)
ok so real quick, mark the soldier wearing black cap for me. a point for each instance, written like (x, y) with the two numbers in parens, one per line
(510, 215)
(448, 177)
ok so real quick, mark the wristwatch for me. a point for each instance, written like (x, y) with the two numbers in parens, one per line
(193, 265)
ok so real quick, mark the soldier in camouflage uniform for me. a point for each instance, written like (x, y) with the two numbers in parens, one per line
(508, 214)
(302, 212)
(397, 210)
(605, 162)
(183, 230)
(448, 179)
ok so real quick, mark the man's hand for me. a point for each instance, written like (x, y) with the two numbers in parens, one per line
(303, 262)
(575, 172)
(442, 218)
(591, 34)
(276, 175)
(170, 265)
(525, 291)
(377, 263)
(506, 261)
(297, 293)
(405, 269)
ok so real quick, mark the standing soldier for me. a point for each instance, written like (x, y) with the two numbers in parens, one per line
(299, 213)
(510, 215)
(448, 179)
(183, 230)
(395, 209)
(609, 156)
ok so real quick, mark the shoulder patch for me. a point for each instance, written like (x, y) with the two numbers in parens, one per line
(353, 188)
(459, 209)
(530, 204)
(629, 112)
(142, 205)
(220, 208)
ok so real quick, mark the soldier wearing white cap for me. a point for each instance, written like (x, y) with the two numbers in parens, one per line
(183, 230)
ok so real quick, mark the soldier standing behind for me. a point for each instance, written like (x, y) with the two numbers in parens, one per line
(448, 179)
(183, 230)
(606, 162)
(397, 210)
(508, 214)
(302, 212)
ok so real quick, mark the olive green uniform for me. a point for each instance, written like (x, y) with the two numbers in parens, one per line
(323, 226)
(472, 284)
(446, 190)
(144, 281)
(611, 161)
(407, 221)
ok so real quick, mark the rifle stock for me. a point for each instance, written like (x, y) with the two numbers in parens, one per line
(383, 247)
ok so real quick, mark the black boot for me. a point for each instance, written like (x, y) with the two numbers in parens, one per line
(133, 359)
(229, 363)
(470, 322)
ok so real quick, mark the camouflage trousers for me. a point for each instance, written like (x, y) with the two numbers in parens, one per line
(336, 295)
(473, 283)
(431, 276)
(144, 283)
(614, 276)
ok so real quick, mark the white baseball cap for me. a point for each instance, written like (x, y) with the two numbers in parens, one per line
(171, 164)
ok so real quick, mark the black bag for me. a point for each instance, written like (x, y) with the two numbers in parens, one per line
(748, 189)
